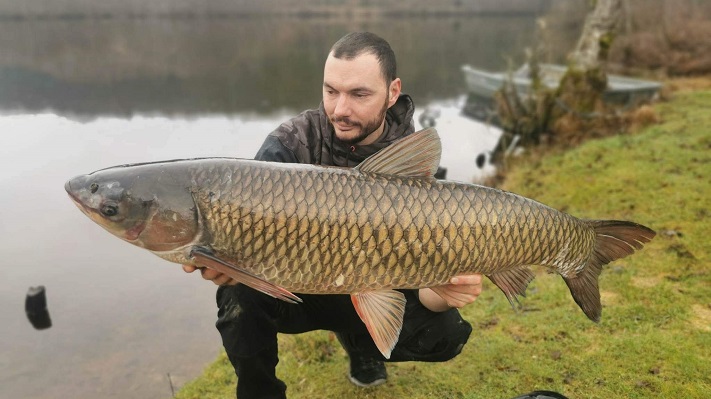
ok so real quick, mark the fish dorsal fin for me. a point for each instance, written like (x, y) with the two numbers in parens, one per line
(416, 155)
(382, 312)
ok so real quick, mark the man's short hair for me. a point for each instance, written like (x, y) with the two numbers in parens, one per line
(357, 43)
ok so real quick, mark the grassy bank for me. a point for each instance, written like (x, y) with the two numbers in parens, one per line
(654, 339)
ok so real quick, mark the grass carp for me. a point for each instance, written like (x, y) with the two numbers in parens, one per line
(384, 225)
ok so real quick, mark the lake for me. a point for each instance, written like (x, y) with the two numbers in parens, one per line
(78, 95)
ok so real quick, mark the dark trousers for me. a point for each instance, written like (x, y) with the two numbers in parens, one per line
(249, 322)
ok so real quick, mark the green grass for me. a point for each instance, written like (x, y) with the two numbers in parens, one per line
(654, 339)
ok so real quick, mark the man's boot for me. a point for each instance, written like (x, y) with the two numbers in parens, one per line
(365, 370)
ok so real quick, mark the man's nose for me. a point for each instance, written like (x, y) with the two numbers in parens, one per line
(343, 107)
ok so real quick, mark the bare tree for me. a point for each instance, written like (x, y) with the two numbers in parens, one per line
(579, 94)
(585, 81)
(598, 33)
(572, 110)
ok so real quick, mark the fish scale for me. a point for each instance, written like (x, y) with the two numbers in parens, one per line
(285, 233)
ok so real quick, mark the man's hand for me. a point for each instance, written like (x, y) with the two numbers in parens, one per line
(461, 291)
(211, 275)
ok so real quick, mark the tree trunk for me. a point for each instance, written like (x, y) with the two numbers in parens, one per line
(597, 36)
(579, 95)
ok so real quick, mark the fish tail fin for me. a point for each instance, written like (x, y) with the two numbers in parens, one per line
(614, 239)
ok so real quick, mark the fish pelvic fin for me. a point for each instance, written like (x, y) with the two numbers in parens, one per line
(513, 283)
(614, 239)
(382, 312)
(416, 155)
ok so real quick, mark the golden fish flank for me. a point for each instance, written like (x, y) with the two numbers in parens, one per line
(387, 224)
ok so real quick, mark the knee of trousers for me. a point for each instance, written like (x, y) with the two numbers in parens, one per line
(458, 332)
(246, 320)
(437, 342)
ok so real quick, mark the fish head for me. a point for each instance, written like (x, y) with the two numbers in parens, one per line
(143, 206)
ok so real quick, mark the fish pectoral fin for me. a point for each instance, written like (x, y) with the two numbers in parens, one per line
(416, 155)
(382, 312)
(204, 258)
(513, 283)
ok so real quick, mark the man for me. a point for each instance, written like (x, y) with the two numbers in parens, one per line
(362, 112)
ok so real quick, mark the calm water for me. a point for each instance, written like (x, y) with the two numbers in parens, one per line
(76, 96)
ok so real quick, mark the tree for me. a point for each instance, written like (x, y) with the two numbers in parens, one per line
(570, 108)
(582, 86)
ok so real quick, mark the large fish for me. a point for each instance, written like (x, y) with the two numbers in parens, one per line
(386, 224)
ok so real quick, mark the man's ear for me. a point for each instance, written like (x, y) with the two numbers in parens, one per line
(394, 91)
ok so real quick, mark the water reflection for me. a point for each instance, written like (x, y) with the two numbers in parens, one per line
(121, 67)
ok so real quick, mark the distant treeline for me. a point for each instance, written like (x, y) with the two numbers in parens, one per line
(655, 38)
(80, 9)
(225, 66)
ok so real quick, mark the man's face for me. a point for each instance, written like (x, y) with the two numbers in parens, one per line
(356, 97)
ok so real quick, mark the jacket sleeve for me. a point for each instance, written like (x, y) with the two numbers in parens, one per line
(273, 150)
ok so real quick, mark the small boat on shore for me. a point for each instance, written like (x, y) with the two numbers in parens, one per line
(621, 90)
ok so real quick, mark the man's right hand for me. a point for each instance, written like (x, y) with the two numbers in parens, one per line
(211, 275)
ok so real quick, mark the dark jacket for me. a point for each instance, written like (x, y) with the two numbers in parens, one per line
(309, 138)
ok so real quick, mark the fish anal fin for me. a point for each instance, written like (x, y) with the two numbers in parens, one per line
(382, 312)
(204, 258)
(416, 155)
(513, 283)
(614, 239)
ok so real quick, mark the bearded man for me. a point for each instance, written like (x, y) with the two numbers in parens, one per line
(363, 111)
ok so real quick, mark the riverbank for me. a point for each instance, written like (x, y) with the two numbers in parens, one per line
(655, 331)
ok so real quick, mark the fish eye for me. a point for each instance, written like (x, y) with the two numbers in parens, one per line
(109, 210)
(93, 188)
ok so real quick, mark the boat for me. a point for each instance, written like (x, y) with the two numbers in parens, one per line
(482, 86)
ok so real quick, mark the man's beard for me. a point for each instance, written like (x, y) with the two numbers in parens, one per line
(365, 130)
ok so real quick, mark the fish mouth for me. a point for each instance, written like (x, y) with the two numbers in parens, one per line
(68, 189)
(74, 196)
